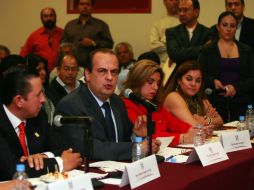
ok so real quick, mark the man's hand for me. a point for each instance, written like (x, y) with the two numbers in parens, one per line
(155, 146)
(34, 160)
(70, 160)
(140, 126)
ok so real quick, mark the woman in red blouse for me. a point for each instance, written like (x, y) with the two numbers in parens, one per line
(145, 80)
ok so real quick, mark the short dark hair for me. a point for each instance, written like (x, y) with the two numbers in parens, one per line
(16, 82)
(242, 1)
(61, 57)
(150, 55)
(196, 4)
(226, 13)
(89, 65)
(6, 49)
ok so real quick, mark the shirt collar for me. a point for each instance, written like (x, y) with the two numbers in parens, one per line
(15, 121)
(97, 99)
(77, 83)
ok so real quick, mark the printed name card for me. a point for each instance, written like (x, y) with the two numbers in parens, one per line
(234, 141)
(81, 182)
(208, 154)
(140, 172)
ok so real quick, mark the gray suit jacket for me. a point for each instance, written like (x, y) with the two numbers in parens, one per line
(81, 102)
(180, 48)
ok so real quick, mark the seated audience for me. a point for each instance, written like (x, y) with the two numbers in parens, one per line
(25, 135)
(125, 56)
(185, 97)
(229, 66)
(64, 49)
(40, 65)
(4, 52)
(145, 80)
(66, 81)
(111, 127)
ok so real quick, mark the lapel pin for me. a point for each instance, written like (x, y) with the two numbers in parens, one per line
(37, 134)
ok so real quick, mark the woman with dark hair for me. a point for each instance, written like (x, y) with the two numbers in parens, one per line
(185, 97)
(145, 80)
(39, 64)
(229, 66)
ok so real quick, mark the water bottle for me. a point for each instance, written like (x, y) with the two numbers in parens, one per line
(250, 120)
(20, 175)
(241, 126)
(137, 149)
(199, 138)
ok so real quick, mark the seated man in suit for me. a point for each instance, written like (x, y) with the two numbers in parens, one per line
(66, 81)
(25, 135)
(185, 41)
(111, 128)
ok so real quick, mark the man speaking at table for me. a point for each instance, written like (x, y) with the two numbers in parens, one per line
(111, 128)
(25, 135)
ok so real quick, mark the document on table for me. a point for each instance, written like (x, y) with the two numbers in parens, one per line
(170, 152)
(165, 141)
(231, 124)
(109, 165)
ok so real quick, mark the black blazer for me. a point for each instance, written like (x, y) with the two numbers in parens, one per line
(81, 102)
(179, 47)
(40, 138)
(210, 58)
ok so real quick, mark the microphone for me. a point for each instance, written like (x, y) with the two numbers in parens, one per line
(149, 105)
(59, 120)
(209, 91)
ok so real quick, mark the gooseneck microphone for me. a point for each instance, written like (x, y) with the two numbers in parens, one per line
(60, 120)
(209, 91)
(133, 97)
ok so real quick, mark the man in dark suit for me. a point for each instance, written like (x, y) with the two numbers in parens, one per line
(66, 81)
(36, 143)
(185, 41)
(110, 141)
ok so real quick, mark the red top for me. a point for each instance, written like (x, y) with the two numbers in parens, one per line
(40, 43)
(165, 123)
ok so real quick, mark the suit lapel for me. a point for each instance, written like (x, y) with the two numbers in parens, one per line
(184, 35)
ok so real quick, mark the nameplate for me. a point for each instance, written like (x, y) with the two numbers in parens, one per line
(234, 141)
(140, 172)
(208, 154)
(81, 182)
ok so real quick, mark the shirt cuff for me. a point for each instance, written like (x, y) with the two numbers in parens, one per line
(49, 154)
(59, 161)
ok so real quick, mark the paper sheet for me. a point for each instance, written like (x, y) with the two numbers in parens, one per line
(110, 164)
(112, 181)
(165, 141)
(231, 124)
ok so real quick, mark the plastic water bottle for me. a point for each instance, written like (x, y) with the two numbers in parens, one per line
(137, 149)
(250, 120)
(199, 138)
(241, 126)
(20, 175)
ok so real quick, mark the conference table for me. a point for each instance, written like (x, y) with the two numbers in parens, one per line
(235, 173)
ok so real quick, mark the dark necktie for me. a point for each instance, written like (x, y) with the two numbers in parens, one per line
(22, 137)
(109, 129)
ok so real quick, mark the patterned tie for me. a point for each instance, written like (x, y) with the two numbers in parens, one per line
(22, 137)
(110, 128)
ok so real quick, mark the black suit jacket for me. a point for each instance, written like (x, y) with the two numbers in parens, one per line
(81, 102)
(40, 138)
(55, 91)
(180, 48)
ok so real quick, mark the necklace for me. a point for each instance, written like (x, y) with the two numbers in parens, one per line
(226, 49)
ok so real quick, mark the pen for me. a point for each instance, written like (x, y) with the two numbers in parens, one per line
(33, 186)
(169, 158)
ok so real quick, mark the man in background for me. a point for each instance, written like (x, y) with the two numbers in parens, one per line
(45, 40)
(66, 81)
(157, 33)
(86, 32)
(125, 56)
(185, 41)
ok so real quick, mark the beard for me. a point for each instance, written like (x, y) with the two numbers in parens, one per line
(49, 24)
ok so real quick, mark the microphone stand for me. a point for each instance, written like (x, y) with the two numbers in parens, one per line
(88, 144)
(150, 125)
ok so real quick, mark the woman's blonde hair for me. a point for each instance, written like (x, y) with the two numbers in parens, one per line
(140, 73)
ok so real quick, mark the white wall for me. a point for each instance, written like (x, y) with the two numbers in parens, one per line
(18, 18)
